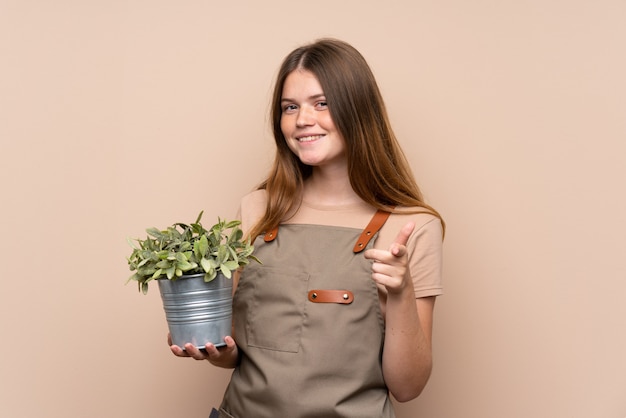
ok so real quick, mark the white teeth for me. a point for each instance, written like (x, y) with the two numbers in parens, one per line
(309, 138)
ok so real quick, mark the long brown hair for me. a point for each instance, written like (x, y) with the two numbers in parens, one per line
(378, 170)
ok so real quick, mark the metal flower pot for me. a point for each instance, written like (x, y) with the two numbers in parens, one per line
(197, 312)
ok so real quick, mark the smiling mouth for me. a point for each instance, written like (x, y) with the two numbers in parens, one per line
(309, 138)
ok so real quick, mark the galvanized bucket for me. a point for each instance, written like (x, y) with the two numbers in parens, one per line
(197, 312)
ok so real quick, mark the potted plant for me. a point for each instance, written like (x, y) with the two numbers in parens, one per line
(193, 267)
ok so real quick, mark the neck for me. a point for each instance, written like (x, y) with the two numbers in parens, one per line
(330, 188)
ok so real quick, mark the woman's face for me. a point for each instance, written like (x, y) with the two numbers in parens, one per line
(306, 122)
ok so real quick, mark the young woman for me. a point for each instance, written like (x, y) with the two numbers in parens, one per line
(339, 315)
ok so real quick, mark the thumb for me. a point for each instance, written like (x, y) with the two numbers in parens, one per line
(398, 246)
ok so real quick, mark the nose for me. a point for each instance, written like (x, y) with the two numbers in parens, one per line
(306, 117)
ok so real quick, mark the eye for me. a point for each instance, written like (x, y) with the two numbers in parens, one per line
(322, 104)
(290, 108)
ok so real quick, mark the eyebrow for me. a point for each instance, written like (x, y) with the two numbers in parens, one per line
(315, 96)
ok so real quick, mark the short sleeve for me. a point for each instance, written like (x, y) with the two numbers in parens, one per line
(425, 258)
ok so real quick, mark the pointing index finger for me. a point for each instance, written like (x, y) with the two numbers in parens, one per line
(402, 238)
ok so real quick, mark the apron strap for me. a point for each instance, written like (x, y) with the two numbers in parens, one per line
(271, 235)
(377, 222)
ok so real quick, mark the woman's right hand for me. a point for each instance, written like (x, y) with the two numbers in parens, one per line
(226, 357)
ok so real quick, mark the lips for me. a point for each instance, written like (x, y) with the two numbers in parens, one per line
(309, 138)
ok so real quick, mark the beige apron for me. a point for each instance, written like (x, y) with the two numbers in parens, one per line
(309, 328)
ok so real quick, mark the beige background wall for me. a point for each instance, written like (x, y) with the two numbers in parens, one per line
(120, 115)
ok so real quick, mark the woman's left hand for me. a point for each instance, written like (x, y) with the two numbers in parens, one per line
(390, 267)
(226, 357)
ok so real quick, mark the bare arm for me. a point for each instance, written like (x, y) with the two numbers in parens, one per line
(407, 355)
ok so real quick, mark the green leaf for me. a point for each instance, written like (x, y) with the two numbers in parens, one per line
(146, 270)
(210, 276)
(232, 224)
(170, 272)
(181, 258)
(222, 254)
(231, 265)
(236, 236)
(233, 254)
(143, 262)
(164, 264)
(133, 277)
(226, 271)
(132, 243)
(205, 263)
(184, 266)
(154, 232)
(203, 246)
